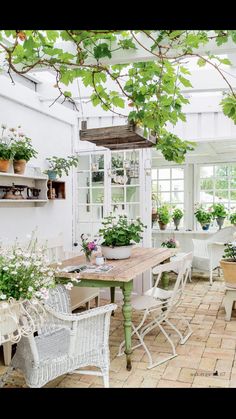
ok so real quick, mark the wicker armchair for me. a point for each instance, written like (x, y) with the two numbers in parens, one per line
(65, 343)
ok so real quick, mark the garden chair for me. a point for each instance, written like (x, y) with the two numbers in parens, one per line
(160, 305)
(208, 253)
(65, 343)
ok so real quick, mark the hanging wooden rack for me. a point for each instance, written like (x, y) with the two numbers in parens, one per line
(120, 137)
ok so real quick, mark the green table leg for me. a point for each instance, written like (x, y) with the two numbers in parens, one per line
(112, 292)
(165, 280)
(127, 314)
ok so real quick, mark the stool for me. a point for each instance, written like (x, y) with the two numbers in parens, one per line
(230, 297)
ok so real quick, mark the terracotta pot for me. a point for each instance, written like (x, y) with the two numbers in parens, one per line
(4, 165)
(162, 226)
(229, 270)
(19, 166)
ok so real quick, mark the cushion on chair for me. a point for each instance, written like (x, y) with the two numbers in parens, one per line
(159, 293)
(141, 302)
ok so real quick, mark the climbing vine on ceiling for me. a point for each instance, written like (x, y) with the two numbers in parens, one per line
(152, 88)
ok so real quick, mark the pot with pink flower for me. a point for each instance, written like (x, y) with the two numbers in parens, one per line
(88, 247)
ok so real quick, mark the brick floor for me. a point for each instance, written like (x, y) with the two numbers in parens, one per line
(207, 359)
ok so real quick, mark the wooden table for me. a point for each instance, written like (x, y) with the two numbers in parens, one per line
(122, 275)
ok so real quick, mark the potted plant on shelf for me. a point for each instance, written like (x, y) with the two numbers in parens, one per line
(232, 218)
(22, 149)
(6, 152)
(219, 213)
(119, 235)
(170, 243)
(60, 165)
(203, 216)
(176, 217)
(163, 216)
(228, 264)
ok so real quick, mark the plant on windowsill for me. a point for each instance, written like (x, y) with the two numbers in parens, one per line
(203, 216)
(163, 216)
(176, 217)
(170, 243)
(228, 264)
(60, 165)
(232, 218)
(219, 213)
(119, 235)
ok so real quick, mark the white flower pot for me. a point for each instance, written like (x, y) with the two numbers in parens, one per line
(119, 252)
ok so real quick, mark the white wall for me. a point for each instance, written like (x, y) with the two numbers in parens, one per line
(50, 136)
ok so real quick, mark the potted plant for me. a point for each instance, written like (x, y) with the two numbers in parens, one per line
(203, 216)
(22, 149)
(60, 165)
(176, 216)
(170, 243)
(232, 218)
(6, 152)
(164, 216)
(219, 213)
(119, 235)
(228, 264)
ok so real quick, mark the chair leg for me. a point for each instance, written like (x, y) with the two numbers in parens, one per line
(7, 350)
(182, 338)
(106, 379)
(211, 277)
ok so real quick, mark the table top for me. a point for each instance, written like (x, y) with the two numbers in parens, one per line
(124, 270)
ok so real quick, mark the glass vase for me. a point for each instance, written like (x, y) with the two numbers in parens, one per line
(88, 259)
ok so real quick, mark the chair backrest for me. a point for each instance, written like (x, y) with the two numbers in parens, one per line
(176, 266)
(59, 300)
(224, 235)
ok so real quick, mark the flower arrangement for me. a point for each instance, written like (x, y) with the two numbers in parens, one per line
(61, 164)
(170, 243)
(6, 152)
(121, 231)
(88, 246)
(24, 272)
(203, 216)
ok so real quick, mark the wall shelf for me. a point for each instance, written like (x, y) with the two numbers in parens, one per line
(56, 190)
(29, 186)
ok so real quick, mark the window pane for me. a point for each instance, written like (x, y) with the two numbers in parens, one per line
(206, 184)
(164, 173)
(84, 213)
(117, 194)
(164, 185)
(97, 195)
(132, 194)
(221, 171)
(98, 161)
(118, 177)
(177, 196)
(154, 174)
(97, 178)
(206, 196)
(83, 179)
(97, 212)
(84, 196)
(84, 163)
(221, 183)
(132, 211)
(221, 194)
(164, 197)
(154, 186)
(178, 173)
(206, 171)
(117, 160)
(177, 185)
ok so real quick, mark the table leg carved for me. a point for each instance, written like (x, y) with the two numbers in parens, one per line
(127, 314)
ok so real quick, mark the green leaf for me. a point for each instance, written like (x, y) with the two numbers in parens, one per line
(101, 50)
(201, 62)
(67, 94)
(185, 81)
(118, 101)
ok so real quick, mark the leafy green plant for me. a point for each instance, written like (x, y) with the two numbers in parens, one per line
(121, 231)
(6, 152)
(177, 214)
(232, 218)
(170, 243)
(203, 216)
(23, 150)
(230, 252)
(61, 165)
(218, 210)
(163, 213)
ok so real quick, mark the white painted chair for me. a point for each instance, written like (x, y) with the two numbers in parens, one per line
(208, 253)
(65, 343)
(160, 305)
(188, 257)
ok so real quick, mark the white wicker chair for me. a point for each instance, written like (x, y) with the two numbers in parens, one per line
(65, 343)
(208, 253)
